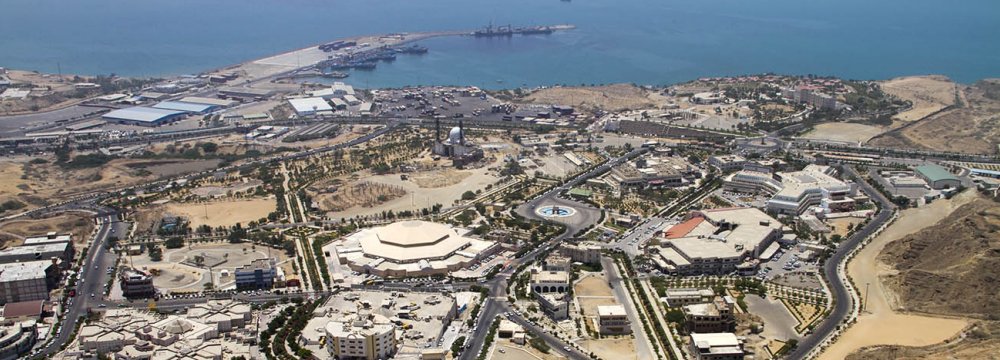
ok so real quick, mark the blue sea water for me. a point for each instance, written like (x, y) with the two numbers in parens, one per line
(640, 41)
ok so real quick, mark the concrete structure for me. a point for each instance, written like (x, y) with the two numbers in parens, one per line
(717, 241)
(63, 251)
(937, 177)
(16, 312)
(221, 103)
(143, 116)
(810, 95)
(544, 282)
(794, 192)
(727, 163)
(555, 305)
(716, 346)
(654, 171)
(310, 106)
(557, 262)
(50, 238)
(258, 274)
(612, 320)
(713, 317)
(245, 92)
(213, 331)
(687, 296)
(584, 252)
(411, 248)
(455, 146)
(361, 336)
(17, 339)
(26, 281)
(136, 284)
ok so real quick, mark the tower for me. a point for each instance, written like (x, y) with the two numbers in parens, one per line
(461, 133)
(437, 130)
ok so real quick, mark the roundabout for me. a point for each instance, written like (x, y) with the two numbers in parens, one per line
(553, 211)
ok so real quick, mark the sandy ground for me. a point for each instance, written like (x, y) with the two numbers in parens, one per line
(928, 94)
(418, 197)
(80, 225)
(222, 213)
(879, 324)
(615, 349)
(592, 286)
(609, 97)
(439, 178)
(847, 132)
(839, 226)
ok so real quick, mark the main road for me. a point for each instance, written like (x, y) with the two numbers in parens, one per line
(843, 303)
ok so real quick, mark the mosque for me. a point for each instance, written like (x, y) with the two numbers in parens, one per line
(455, 147)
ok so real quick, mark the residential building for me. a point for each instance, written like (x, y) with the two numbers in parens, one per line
(612, 320)
(259, 274)
(716, 346)
(361, 336)
(557, 262)
(136, 284)
(26, 281)
(713, 317)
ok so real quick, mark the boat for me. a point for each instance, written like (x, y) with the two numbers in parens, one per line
(336, 75)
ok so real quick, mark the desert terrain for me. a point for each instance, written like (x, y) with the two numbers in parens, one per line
(845, 132)
(608, 97)
(927, 93)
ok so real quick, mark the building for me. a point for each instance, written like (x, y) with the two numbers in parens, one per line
(654, 171)
(727, 163)
(411, 248)
(219, 103)
(258, 274)
(62, 251)
(136, 284)
(143, 116)
(687, 296)
(310, 106)
(455, 146)
(716, 346)
(713, 317)
(543, 282)
(717, 241)
(191, 108)
(16, 312)
(50, 238)
(938, 177)
(27, 281)
(792, 193)
(361, 336)
(17, 339)
(585, 253)
(213, 331)
(245, 92)
(809, 95)
(555, 305)
(557, 262)
(612, 320)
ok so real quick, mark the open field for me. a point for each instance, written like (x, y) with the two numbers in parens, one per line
(846, 132)
(609, 97)
(615, 349)
(439, 178)
(880, 324)
(928, 94)
(840, 226)
(592, 286)
(359, 194)
(80, 225)
(222, 213)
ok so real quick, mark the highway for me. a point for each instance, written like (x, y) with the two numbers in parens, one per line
(841, 298)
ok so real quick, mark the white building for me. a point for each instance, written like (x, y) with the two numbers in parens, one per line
(26, 281)
(717, 241)
(310, 106)
(716, 346)
(612, 320)
(361, 336)
(794, 192)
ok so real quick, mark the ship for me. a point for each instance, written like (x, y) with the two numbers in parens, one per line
(335, 75)
(413, 49)
(490, 31)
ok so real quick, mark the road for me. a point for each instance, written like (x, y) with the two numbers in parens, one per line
(643, 348)
(842, 300)
(92, 279)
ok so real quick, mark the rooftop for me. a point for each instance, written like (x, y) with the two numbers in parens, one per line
(310, 104)
(935, 172)
(141, 113)
(184, 106)
(611, 310)
(24, 270)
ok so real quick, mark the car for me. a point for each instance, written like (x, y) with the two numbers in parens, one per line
(91, 294)
(102, 305)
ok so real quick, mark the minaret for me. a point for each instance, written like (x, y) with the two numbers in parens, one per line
(437, 130)
(461, 133)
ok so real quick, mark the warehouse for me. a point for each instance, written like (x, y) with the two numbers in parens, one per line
(144, 116)
(310, 106)
(207, 101)
(191, 108)
(938, 177)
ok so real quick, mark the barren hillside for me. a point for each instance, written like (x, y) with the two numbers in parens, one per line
(981, 342)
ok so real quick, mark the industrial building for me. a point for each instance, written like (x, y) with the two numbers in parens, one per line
(612, 320)
(937, 177)
(310, 106)
(190, 108)
(27, 281)
(411, 248)
(717, 241)
(144, 116)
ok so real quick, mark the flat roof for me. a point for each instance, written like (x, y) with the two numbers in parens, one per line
(142, 113)
(409, 241)
(310, 104)
(184, 106)
(23, 308)
(24, 270)
(207, 101)
(57, 247)
(611, 310)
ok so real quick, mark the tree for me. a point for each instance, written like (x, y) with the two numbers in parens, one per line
(468, 195)
(456, 347)
(175, 242)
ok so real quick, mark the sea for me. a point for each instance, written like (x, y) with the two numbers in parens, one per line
(650, 42)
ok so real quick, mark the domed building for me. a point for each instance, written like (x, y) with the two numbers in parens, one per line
(455, 146)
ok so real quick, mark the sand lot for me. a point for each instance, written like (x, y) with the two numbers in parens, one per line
(615, 349)
(847, 132)
(222, 213)
(80, 225)
(592, 286)
(880, 324)
(839, 226)
(928, 94)
(609, 97)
